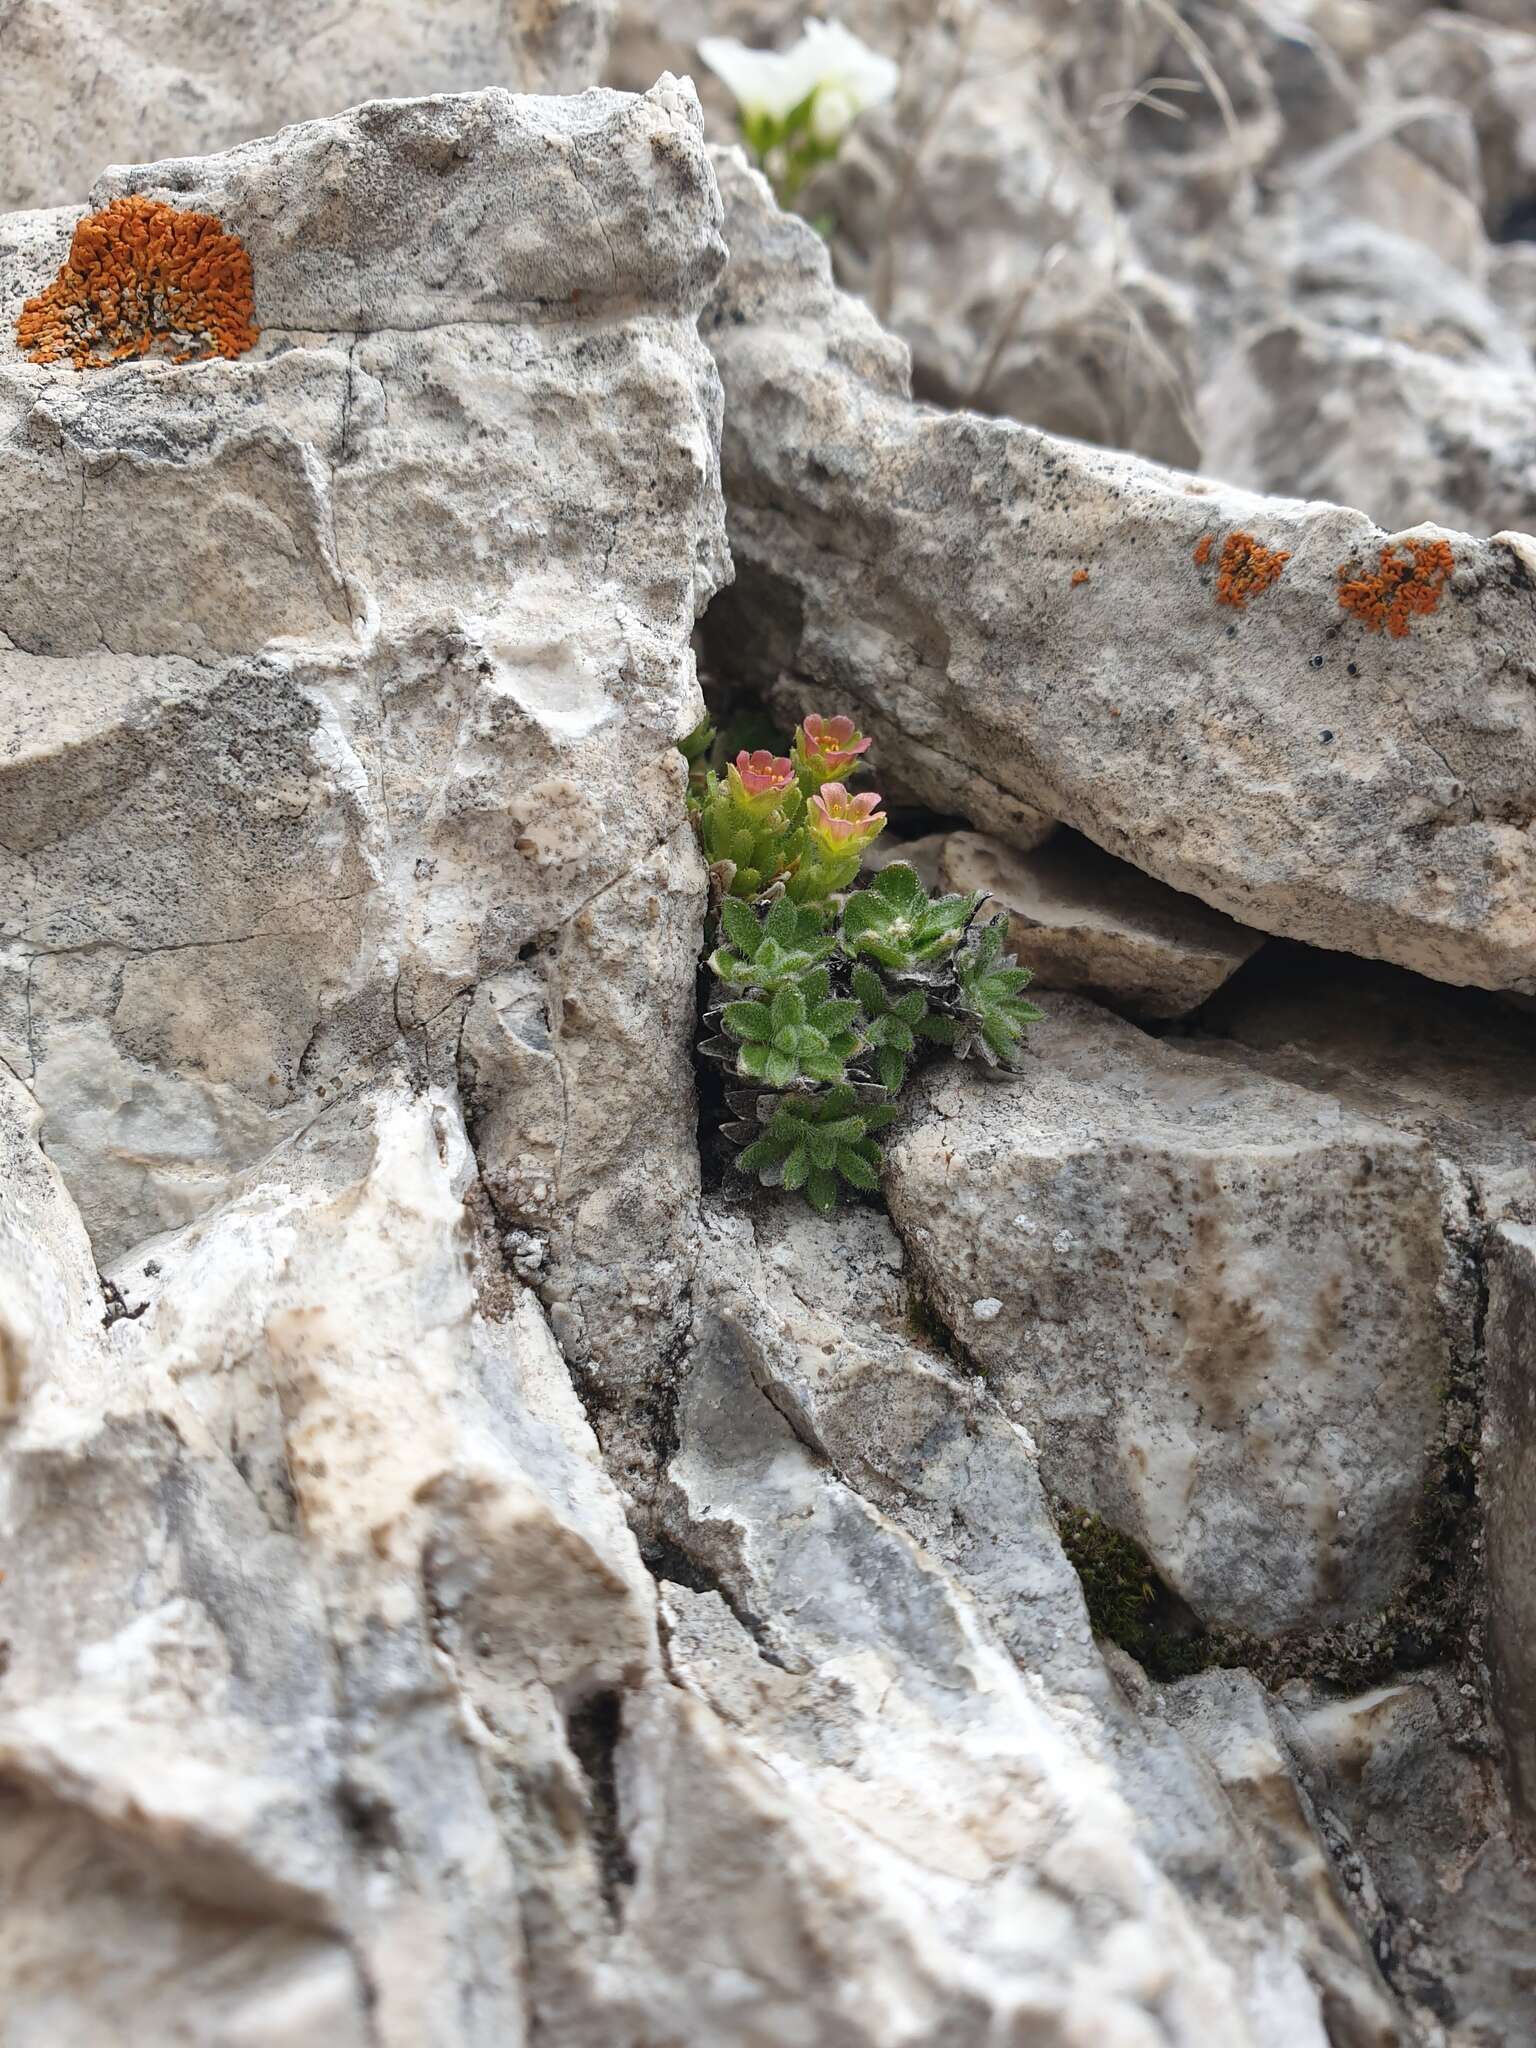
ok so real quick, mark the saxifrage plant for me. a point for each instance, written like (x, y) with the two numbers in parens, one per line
(814, 1141)
(795, 106)
(826, 992)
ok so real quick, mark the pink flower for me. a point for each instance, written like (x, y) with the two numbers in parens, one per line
(841, 823)
(760, 779)
(829, 746)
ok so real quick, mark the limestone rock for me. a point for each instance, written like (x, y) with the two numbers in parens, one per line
(921, 571)
(1356, 280)
(177, 77)
(1083, 921)
(1227, 1717)
(334, 1669)
(1442, 1064)
(1491, 72)
(980, 229)
(975, 218)
(872, 1642)
(1221, 1305)
(382, 722)
(1412, 436)
(1413, 173)
(458, 1587)
(1509, 1471)
(333, 1662)
(1409, 1770)
(1512, 286)
(251, 1600)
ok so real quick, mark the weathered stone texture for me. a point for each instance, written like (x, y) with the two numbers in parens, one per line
(1082, 921)
(118, 81)
(1222, 1306)
(1509, 1465)
(410, 727)
(1276, 758)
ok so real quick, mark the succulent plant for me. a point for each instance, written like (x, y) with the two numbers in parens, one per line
(838, 829)
(789, 942)
(824, 1018)
(753, 821)
(803, 1034)
(984, 1013)
(815, 1142)
(891, 1026)
(896, 923)
(694, 748)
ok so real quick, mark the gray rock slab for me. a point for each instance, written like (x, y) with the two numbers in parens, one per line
(1223, 1306)
(348, 683)
(884, 1603)
(1083, 921)
(1509, 1477)
(1445, 1064)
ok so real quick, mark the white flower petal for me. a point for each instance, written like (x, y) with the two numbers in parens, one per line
(837, 57)
(803, 72)
(761, 81)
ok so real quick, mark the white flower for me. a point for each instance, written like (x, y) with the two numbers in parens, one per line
(832, 59)
(763, 81)
(829, 62)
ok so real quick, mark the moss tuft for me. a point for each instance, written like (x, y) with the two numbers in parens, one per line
(1128, 1602)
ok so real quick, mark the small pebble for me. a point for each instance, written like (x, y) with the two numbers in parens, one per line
(986, 1311)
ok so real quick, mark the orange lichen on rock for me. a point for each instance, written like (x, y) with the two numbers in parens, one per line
(1079, 576)
(1203, 549)
(139, 276)
(1407, 583)
(1246, 568)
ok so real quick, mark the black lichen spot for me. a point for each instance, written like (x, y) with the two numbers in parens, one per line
(594, 1730)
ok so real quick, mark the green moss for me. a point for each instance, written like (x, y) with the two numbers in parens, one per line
(926, 1325)
(1128, 1602)
(1428, 1620)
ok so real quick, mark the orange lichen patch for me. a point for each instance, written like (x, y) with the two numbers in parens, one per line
(142, 276)
(1407, 583)
(1079, 576)
(1246, 569)
(1203, 549)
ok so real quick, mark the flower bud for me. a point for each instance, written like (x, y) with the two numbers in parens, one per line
(833, 112)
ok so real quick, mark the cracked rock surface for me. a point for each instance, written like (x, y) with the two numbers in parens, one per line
(1221, 1305)
(350, 949)
(1257, 746)
(471, 1572)
(410, 752)
(1081, 920)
